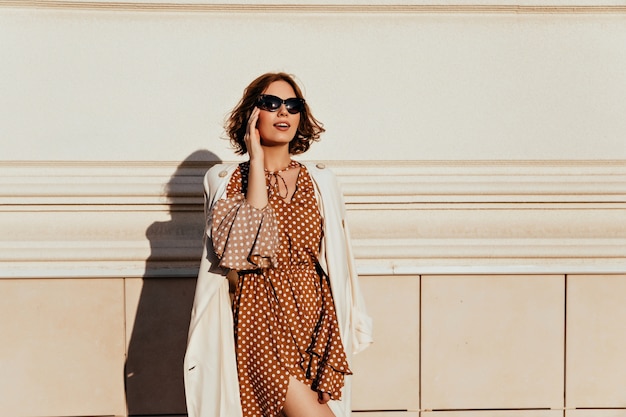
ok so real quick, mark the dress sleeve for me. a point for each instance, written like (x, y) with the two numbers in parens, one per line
(244, 237)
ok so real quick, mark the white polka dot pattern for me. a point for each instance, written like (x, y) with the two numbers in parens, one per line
(244, 237)
(285, 321)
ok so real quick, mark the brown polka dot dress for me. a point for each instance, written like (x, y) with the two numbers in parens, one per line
(284, 314)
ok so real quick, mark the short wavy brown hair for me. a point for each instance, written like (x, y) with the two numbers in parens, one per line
(309, 128)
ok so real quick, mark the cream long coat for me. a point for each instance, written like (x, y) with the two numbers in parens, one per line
(211, 384)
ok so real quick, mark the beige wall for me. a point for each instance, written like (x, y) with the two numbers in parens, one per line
(152, 83)
(479, 145)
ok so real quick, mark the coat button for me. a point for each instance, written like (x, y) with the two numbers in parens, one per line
(222, 174)
(321, 166)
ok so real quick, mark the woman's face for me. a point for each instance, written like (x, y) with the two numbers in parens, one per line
(279, 127)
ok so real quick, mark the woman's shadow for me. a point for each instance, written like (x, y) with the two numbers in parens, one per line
(154, 364)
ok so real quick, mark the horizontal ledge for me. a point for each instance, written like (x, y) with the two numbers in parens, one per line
(47, 270)
(492, 266)
(409, 252)
(128, 183)
(62, 270)
(142, 6)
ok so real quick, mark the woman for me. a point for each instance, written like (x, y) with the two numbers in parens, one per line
(297, 311)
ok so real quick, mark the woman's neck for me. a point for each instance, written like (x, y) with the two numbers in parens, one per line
(276, 158)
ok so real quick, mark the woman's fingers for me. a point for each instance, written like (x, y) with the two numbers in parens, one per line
(254, 117)
(252, 139)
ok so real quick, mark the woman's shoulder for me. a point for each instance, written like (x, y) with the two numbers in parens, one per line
(324, 177)
(218, 174)
(319, 170)
(221, 171)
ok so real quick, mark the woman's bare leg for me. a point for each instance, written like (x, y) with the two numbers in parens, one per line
(301, 401)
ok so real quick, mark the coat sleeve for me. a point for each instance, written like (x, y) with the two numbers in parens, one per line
(361, 322)
(339, 263)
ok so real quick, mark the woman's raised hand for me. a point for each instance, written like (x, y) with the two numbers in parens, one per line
(252, 138)
(257, 189)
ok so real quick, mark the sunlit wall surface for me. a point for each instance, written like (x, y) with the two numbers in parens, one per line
(479, 144)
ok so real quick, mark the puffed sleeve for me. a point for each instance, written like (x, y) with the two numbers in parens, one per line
(244, 237)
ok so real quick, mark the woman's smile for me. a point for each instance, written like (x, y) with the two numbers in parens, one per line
(282, 126)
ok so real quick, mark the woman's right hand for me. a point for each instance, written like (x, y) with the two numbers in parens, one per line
(257, 189)
(252, 138)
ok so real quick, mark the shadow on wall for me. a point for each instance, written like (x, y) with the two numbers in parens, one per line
(154, 364)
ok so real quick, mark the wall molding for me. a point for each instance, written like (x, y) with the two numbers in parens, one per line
(285, 7)
(110, 183)
(134, 219)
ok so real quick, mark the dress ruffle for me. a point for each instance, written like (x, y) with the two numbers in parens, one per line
(244, 237)
(326, 367)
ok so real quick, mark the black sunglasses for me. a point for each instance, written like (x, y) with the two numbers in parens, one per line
(273, 103)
